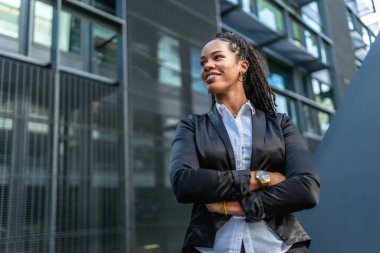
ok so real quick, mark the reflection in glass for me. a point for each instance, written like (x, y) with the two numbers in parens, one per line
(270, 15)
(90, 205)
(297, 34)
(323, 94)
(9, 24)
(311, 43)
(325, 52)
(366, 36)
(317, 122)
(6, 133)
(286, 105)
(350, 22)
(73, 30)
(310, 15)
(105, 51)
(324, 121)
(70, 33)
(170, 61)
(9, 17)
(304, 38)
(43, 16)
(104, 5)
(196, 69)
(281, 76)
(311, 118)
(247, 6)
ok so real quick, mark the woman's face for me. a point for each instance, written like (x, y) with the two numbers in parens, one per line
(220, 68)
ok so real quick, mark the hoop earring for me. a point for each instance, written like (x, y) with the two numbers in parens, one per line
(241, 73)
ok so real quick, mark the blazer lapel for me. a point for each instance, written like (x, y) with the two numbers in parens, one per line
(218, 124)
(258, 137)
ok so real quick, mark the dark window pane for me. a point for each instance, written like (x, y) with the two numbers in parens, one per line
(281, 76)
(105, 51)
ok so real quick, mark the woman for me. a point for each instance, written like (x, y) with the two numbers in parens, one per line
(244, 166)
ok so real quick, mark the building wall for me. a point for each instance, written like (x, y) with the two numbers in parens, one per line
(83, 199)
(164, 43)
(344, 59)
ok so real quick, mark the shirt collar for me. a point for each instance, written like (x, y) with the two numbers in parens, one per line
(247, 106)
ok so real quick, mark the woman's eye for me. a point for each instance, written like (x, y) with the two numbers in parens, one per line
(218, 57)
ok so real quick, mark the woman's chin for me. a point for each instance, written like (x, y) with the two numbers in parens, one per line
(212, 88)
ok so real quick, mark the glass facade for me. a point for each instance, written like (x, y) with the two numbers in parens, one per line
(164, 85)
(88, 206)
(62, 177)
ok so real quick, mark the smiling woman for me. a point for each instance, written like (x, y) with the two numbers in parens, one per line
(244, 167)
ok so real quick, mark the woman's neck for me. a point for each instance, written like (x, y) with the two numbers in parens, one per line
(233, 103)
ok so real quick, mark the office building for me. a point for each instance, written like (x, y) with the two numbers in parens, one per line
(91, 92)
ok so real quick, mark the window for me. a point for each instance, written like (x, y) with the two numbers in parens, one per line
(325, 52)
(9, 24)
(104, 5)
(350, 21)
(247, 6)
(196, 69)
(170, 61)
(281, 76)
(322, 93)
(310, 15)
(317, 122)
(104, 51)
(270, 15)
(366, 36)
(75, 34)
(42, 26)
(311, 43)
(286, 105)
(305, 38)
(70, 33)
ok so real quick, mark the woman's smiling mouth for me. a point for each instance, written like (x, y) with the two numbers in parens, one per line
(210, 77)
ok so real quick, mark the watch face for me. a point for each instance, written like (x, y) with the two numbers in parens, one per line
(263, 177)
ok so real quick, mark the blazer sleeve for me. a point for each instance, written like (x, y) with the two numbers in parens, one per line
(298, 192)
(191, 183)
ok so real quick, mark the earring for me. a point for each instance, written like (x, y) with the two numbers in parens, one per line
(241, 73)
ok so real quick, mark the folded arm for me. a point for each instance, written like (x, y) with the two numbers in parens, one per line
(299, 191)
(193, 184)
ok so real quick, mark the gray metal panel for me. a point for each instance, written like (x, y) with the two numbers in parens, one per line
(347, 219)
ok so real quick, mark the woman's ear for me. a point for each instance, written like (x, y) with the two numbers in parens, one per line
(244, 64)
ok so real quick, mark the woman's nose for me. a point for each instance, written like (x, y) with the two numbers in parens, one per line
(208, 65)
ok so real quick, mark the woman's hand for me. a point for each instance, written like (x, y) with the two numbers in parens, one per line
(232, 208)
(275, 178)
(215, 207)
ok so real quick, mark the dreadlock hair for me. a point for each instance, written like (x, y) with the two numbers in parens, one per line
(255, 84)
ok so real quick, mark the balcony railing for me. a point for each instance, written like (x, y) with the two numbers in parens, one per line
(361, 7)
(362, 37)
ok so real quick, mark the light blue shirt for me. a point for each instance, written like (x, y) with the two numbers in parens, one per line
(258, 237)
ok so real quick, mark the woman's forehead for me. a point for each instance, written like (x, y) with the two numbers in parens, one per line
(215, 45)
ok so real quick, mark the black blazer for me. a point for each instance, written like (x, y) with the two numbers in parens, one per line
(202, 170)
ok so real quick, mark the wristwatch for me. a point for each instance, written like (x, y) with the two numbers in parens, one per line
(263, 176)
